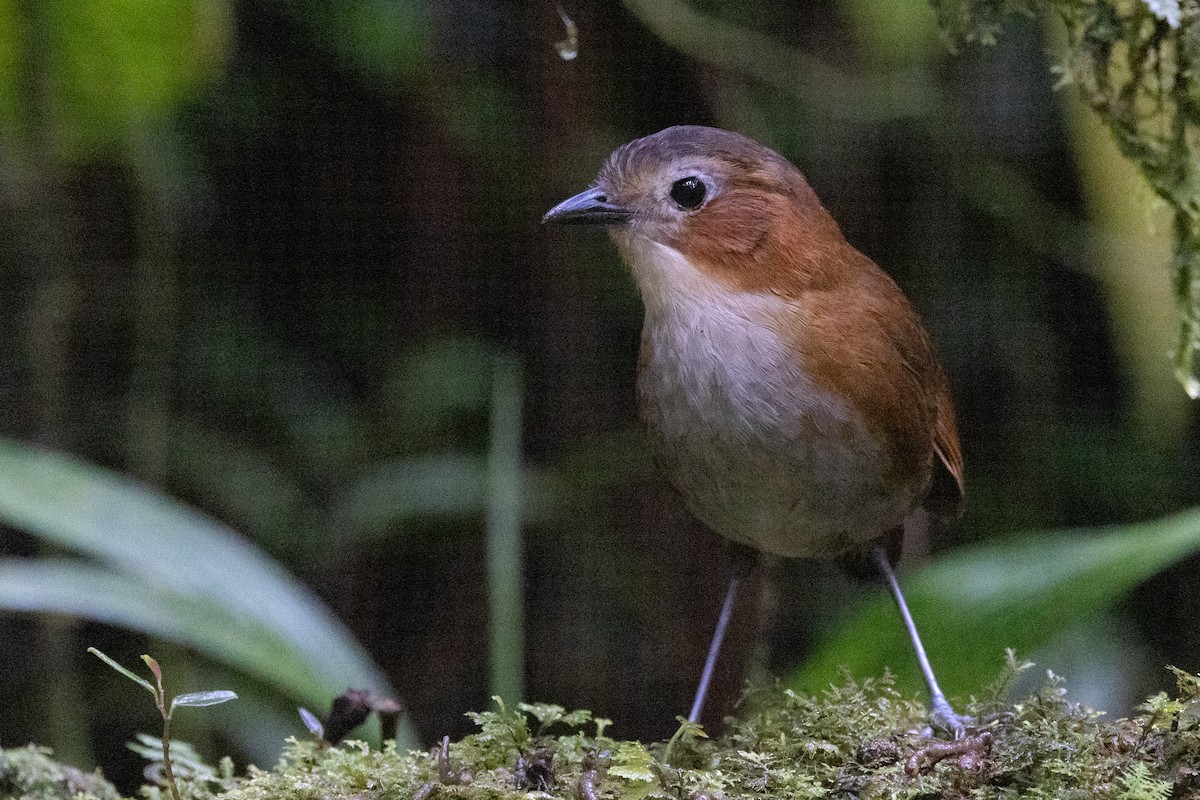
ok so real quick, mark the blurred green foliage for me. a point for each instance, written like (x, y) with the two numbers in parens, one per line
(388, 40)
(97, 71)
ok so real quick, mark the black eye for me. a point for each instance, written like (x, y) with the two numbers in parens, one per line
(688, 192)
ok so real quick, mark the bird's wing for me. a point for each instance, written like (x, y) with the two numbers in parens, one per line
(947, 492)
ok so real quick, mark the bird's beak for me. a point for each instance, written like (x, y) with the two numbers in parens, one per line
(587, 208)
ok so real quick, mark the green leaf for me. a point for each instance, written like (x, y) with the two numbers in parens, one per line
(399, 489)
(439, 485)
(167, 570)
(201, 699)
(83, 590)
(973, 603)
(633, 762)
(140, 681)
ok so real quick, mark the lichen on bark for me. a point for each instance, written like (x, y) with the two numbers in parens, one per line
(1136, 64)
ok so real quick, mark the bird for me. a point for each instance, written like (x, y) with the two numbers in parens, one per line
(788, 389)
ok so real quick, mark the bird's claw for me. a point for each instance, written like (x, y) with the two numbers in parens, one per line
(943, 718)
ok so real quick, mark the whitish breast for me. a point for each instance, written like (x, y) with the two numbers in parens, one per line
(759, 451)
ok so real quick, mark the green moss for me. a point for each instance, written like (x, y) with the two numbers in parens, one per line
(860, 739)
(29, 773)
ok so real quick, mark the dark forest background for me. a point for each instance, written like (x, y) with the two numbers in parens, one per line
(281, 258)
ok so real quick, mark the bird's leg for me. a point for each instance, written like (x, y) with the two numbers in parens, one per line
(943, 715)
(743, 562)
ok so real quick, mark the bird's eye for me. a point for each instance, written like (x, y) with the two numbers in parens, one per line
(688, 192)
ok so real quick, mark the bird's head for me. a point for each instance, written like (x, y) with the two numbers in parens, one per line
(729, 205)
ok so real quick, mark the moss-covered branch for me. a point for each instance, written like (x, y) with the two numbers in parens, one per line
(858, 739)
(1136, 63)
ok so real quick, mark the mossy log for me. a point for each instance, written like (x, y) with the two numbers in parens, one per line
(859, 739)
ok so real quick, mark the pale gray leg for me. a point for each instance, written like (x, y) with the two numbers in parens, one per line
(943, 715)
(714, 648)
(743, 562)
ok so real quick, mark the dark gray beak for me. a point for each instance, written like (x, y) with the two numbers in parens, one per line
(587, 208)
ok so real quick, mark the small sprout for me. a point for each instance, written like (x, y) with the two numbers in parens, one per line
(686, 733)
(1013, 669)
(194, 699)
(501, 731)
(568, 48)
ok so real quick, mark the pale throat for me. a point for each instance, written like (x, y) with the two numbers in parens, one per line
(665, 277)
(714, 343)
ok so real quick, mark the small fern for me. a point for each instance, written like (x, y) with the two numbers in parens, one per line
(1138, 784)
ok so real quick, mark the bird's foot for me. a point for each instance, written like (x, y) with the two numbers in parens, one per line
(944, 719)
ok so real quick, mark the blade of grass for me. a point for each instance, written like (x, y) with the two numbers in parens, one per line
(505, 583)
